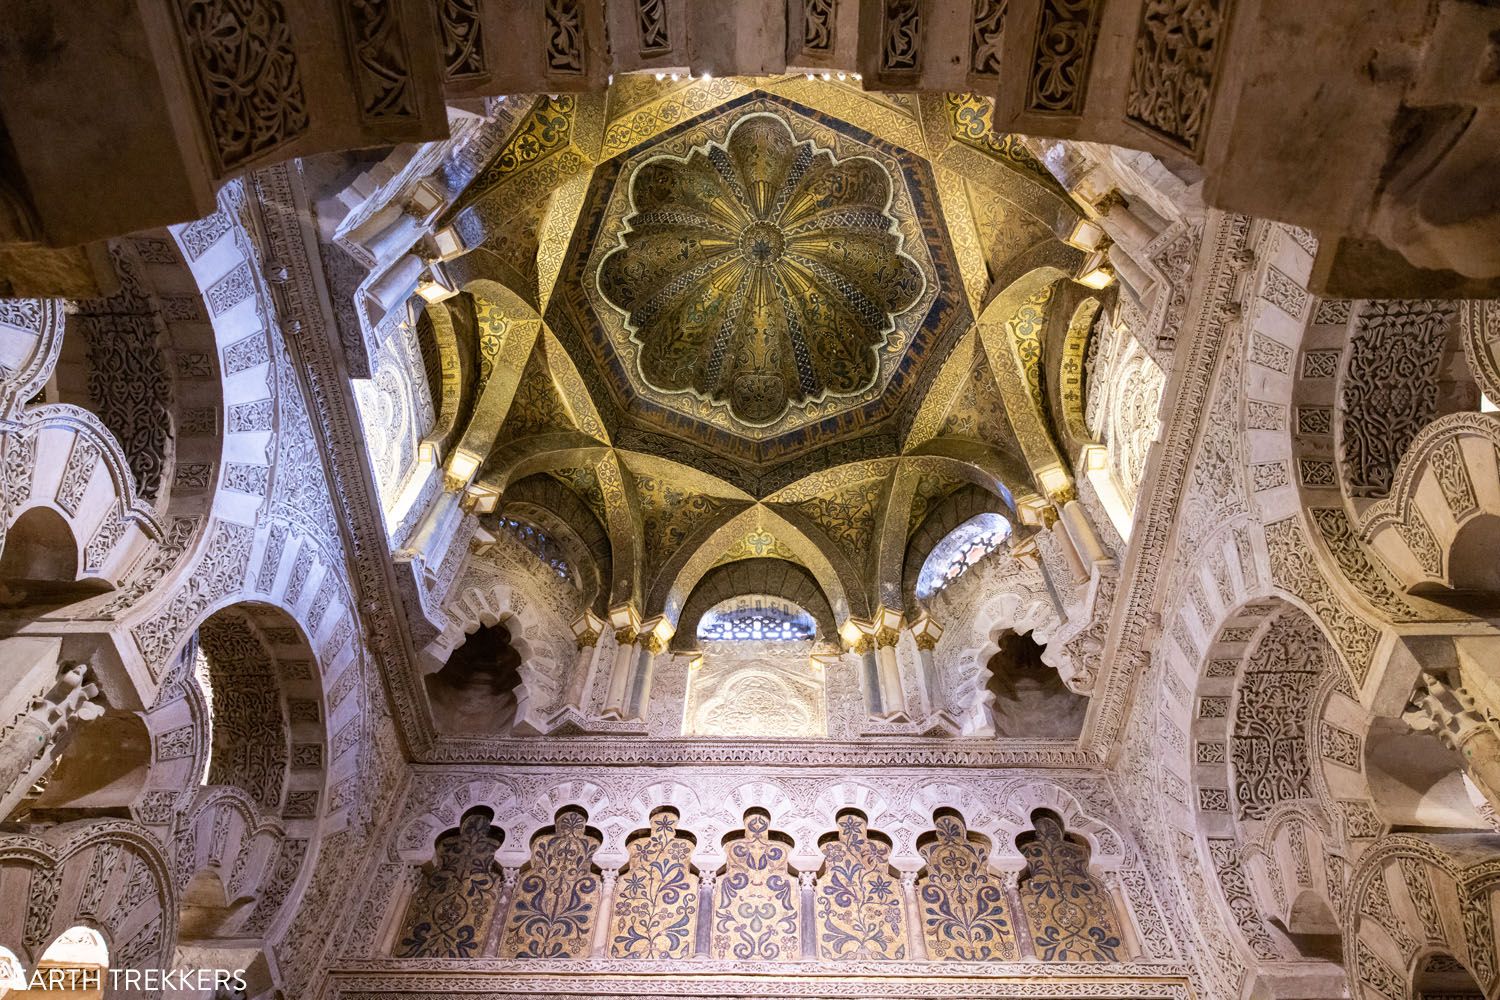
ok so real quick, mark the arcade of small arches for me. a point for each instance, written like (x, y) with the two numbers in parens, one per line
(697, 535)
(751, 901)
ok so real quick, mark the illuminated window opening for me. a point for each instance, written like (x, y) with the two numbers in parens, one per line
(539, 544)
(756, 618)
(960, 551)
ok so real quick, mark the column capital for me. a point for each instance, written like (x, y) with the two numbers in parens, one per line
(926, 632)
(655, 633)
(858, 635)
(587, 628)
(1110, 200)
(626, 621)
(886, 628)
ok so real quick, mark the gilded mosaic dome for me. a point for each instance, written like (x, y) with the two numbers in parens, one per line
(760, 272)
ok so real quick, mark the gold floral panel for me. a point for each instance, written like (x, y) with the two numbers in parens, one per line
(965, 915)
(761, 272)
(558, 895)
(656, 901)
(1071, 914)
(756, 901)
(859, 907)
(451, 912)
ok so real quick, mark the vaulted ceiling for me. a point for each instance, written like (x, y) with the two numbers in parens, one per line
(754, 318)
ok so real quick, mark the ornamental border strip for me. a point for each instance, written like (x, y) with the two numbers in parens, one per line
(619, 751)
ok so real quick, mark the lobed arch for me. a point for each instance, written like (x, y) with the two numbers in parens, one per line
(225, 850)
(713, 823)
(544, 644)
(416, 837)
(62, 458)
(1441, 518)
(1018, 603)
(849, 795)
(937, 794)
(764, 794)
(1293, 351)
(664, 794)
(1015, 805)
(205, 290)
(1296, 860)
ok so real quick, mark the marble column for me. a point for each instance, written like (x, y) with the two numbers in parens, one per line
(1018, 916)
(627, 653)
(703, 942)
(509, 876)
(652, 644)
(916, 941)
(925, 633)
(808, 881)
(435, 531)
(606, 912)
(1081, 533)
(1058, 532)
(1128, 226)
(1131, 274)
(860, 640)
(587, 628)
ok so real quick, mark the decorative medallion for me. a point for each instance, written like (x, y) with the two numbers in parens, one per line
(760, 272)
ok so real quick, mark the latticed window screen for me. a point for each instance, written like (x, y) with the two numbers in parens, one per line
(757, 619)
